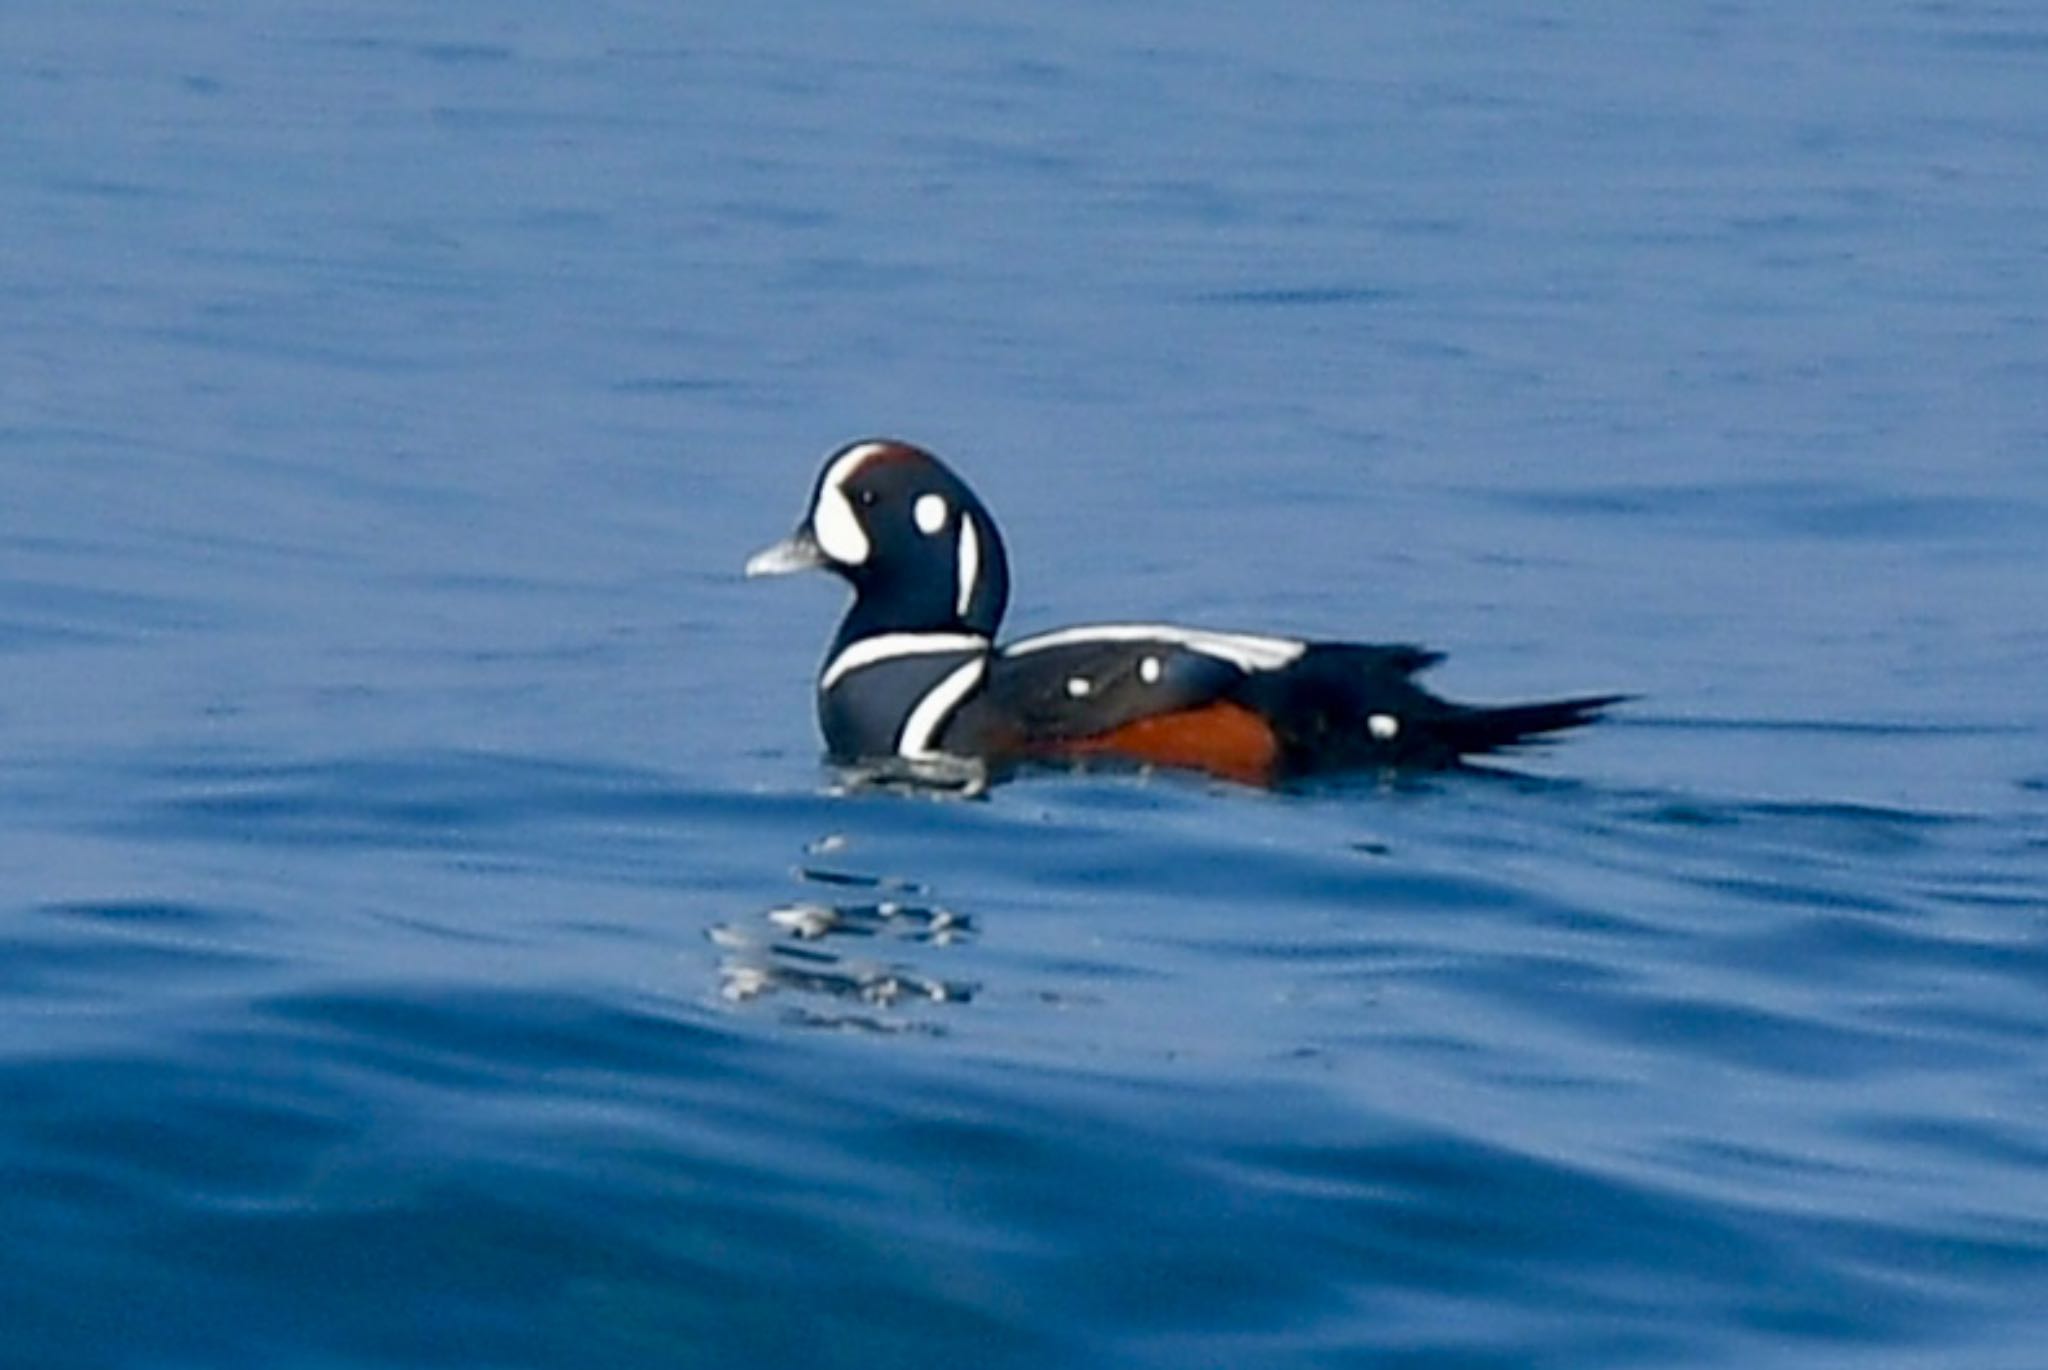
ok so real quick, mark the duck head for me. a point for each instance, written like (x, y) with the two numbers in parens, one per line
(918, 547)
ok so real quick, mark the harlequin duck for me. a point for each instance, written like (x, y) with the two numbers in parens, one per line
(915, 674)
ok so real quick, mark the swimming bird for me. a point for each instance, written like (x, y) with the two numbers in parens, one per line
(915, 674)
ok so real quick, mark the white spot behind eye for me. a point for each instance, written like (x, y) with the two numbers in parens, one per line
(1383, 727)
(930, 512)
(1078, 687)
(1149, 669)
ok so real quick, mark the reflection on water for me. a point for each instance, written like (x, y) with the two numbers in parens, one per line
(835, 951)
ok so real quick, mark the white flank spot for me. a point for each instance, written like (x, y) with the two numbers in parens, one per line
(1078, 687)
(935, 708)
(1148, 670)
(1242, 650)
(889, 646)
(833, 521)
(970, 565)
(930, 512)
(1383, 727)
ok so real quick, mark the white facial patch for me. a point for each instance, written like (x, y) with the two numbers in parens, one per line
(930, 512)
(1149, 669)
(1079, 687)
(969, 569)
(1383, 727)
(833, 521)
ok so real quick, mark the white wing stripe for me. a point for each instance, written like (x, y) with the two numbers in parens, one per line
(935, 708)
(1242, 650)
(889, 646)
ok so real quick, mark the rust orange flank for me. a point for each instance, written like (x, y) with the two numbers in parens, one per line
(1224, 739)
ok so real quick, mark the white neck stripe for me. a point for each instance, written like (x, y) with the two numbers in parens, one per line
(969, 569)
(935, 708)
(888, 646)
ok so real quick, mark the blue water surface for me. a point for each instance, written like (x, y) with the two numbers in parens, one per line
(428, 936)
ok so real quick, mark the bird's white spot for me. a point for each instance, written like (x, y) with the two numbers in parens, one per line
(930, 512)
(1079, 687)
(1149, 669)
(937, 706)
(1242, 650)
(1383, 727)
(970, 565)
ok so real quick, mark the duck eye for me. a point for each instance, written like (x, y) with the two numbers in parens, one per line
(867, 499)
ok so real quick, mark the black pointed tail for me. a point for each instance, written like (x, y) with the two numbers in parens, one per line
(1471, 731)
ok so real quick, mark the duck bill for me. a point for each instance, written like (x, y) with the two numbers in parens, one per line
(797, 552)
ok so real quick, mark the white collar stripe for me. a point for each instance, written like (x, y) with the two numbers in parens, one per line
(868, 651)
